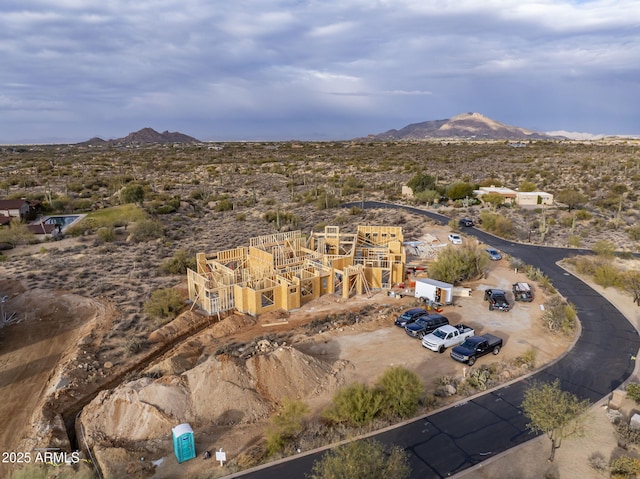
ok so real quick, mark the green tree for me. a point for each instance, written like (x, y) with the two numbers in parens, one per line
(459, 190)
(457, 264)
(132, 194)
(179, 262)
(571, 198)
(366, 459)
(421, 182)
(427, 196)
(554, 412)
(16, 233)
(493, 199)
(631, 281)
(402, 391)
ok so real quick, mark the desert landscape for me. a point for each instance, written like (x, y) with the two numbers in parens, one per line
(85, 366)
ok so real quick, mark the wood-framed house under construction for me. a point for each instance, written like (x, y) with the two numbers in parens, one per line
(286, 270)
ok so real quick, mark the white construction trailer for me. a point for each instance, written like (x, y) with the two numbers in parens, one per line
(434, 292)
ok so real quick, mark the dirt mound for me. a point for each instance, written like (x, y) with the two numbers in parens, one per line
(220, 390)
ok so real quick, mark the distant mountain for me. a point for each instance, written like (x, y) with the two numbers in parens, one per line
(146, 136)
(467, 125)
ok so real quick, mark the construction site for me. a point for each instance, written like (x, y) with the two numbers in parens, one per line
(283, 271)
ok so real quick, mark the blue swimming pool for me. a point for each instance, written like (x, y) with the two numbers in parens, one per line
(61, 220)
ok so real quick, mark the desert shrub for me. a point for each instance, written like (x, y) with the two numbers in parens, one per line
(459, 190)
(634, 232)
(106, 234)
(402, 391)
(132, 194)
(426, 197)
(559, 315)
(223, 205)
(134, 345)
(598, 462)
(583, 215)
(421, 182)
(457, 264)
(516, 263)
(607, 275)
(528, 358)
(179, 262)
(354, 405)
(497, 224)
(604, 248)
(479, 378)
(286, 426)
(584, 265)
(164, 304)
(626, 434)
(147, 230)
(280, 218)
(574, 241)
(624, 467)
(633, 391)
(326, 201)
(362, 460)
(241, 217)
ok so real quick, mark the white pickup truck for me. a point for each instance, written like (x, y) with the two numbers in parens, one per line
(446, 336)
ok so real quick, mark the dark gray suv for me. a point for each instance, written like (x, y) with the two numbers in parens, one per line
(425, 324)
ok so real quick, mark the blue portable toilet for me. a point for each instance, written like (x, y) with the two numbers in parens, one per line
(184, 445)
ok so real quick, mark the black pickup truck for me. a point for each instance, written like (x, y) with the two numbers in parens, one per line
(476, 346)
(497, 300)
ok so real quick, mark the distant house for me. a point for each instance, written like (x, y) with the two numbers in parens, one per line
(533, 198)
(508, 194)
(15, 208)
(4, 220)
(520, 198)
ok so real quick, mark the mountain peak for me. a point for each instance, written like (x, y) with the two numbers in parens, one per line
(146, 136)
(465, 125)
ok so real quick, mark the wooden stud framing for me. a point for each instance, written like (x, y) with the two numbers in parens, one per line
(285, 270)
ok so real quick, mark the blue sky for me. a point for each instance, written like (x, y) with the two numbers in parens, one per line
(294, 69)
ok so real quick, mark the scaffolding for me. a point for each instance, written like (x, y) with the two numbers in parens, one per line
(286, 270)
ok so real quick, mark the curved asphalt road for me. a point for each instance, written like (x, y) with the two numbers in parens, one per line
(452, 440)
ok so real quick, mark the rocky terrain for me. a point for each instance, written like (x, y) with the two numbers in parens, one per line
(82, 334)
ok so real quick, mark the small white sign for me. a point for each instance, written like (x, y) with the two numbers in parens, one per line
(221, 456)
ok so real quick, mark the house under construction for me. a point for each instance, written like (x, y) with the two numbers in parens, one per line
(286, 270)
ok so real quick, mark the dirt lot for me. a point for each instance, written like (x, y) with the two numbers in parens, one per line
(61, 349)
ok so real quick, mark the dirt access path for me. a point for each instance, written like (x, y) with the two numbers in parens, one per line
(46, 334)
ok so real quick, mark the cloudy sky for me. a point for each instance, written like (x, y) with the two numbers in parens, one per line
(312, 69)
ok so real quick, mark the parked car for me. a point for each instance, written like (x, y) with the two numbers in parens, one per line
(476, 346)
(425, 324)
(446, 336)
(494, 254)
(466, 222)
(497, 300)
(522, 292)
(455, 238)
(409, 316)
